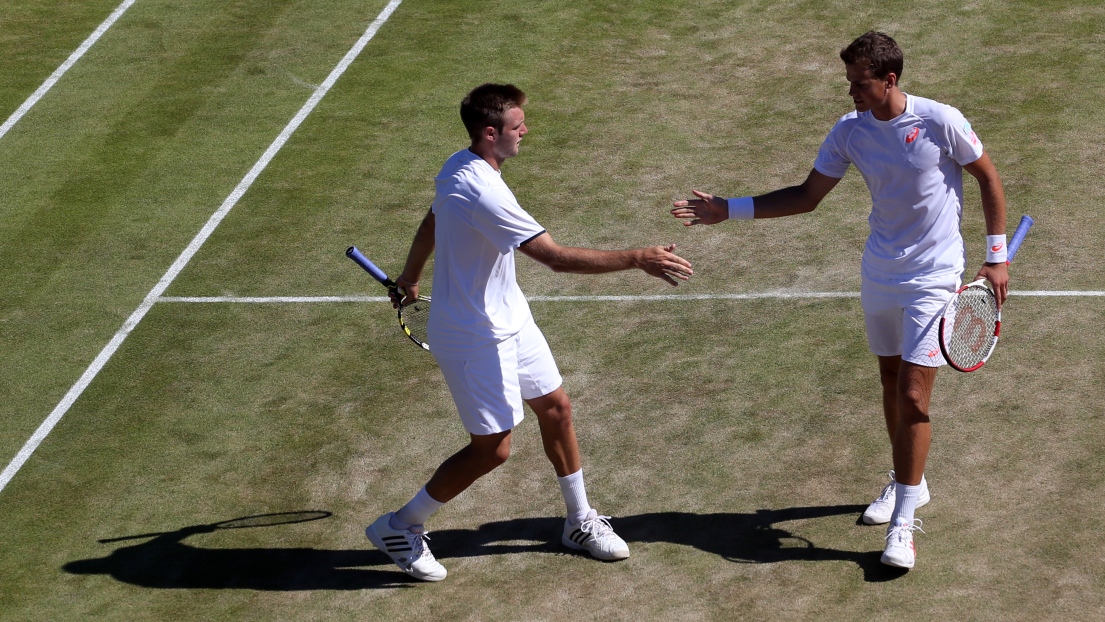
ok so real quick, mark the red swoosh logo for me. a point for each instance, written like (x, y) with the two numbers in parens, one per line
(996, 247)
(912, 135)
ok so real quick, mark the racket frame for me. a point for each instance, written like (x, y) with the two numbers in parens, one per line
(403, 323)
(944, 317)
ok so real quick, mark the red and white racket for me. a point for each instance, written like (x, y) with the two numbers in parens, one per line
(971, 321)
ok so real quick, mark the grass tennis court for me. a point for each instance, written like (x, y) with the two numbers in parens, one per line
(735, 439)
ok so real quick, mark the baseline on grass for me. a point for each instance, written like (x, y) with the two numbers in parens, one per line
(971, 322)
(60, 71)
(190, 251)
(413, 316)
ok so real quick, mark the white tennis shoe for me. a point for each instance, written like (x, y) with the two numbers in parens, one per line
(406, 547)
(595, 535)
(900, 550)
(882, 508)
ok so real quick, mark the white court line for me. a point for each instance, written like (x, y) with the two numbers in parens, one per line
(178, 265)
(271, 299)
(60, 71)
(682, 297)
(658, 297)
(1057, 293)
(643, 298)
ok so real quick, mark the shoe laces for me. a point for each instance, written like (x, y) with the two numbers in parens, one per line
(599, 527)
(418, 540)
(904, 529)
(887, 491)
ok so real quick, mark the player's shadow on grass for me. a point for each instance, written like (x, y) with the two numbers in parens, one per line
(753, 538)
(165, 561)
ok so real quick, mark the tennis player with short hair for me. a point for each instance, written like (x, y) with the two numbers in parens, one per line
(483, 336)
(911, 152)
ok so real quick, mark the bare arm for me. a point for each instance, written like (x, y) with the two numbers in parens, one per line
(993, 210)
(421, 248)
(708, 209)
(657, 261)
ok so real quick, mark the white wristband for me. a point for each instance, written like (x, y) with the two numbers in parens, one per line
(995, 249)
(741, 209)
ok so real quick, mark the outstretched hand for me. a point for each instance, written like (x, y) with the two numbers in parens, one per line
(663, 263)
(705, 210)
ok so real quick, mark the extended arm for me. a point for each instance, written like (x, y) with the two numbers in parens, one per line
(421, 248)
(993, 210)
(657, 261)
(708, 209)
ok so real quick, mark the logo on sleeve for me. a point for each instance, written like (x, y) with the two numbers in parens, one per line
(969, 133)
(912, 136)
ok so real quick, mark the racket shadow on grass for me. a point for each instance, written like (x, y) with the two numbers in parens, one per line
(163, 560)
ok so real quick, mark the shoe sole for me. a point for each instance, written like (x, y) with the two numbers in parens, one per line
(889, 561)
(576, 547)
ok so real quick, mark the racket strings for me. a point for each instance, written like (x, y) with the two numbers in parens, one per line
(974, 320)
(415, 317)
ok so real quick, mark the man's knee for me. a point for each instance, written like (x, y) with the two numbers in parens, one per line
(915, 390)
(554, 408)
(491, 451)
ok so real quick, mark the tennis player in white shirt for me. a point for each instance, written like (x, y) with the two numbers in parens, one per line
(911, 152)
(482, 335)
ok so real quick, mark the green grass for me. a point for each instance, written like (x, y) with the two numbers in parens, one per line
(735, 442)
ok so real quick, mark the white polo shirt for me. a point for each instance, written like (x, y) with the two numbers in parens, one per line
(913, 168)
(478, 223)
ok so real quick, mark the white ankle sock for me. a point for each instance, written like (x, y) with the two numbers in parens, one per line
(905, 503)
(575, 496)
(417, 511)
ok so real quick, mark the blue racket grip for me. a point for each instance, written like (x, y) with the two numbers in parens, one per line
(1018, 237)
(368, 266)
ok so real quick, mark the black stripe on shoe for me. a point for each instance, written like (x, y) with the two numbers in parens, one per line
(579, 537)
(396, 543)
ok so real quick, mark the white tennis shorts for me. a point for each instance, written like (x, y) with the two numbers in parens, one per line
(489, 390)
(903, 318)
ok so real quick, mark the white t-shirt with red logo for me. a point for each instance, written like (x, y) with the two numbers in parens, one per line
(913, 166)
(478, 223)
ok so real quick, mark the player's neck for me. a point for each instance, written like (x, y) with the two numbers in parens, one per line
(487, 152)
(892, 108)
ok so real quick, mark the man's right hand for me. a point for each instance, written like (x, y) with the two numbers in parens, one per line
(662, 262)
(404, 292)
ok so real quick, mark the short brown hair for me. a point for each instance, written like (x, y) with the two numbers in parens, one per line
(876, 51)
(485, 106)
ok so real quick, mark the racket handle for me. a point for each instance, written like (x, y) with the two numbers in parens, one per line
(1018, 237)
(353, 253)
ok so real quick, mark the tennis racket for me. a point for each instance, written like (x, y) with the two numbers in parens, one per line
(971, 322)
(413, 316)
